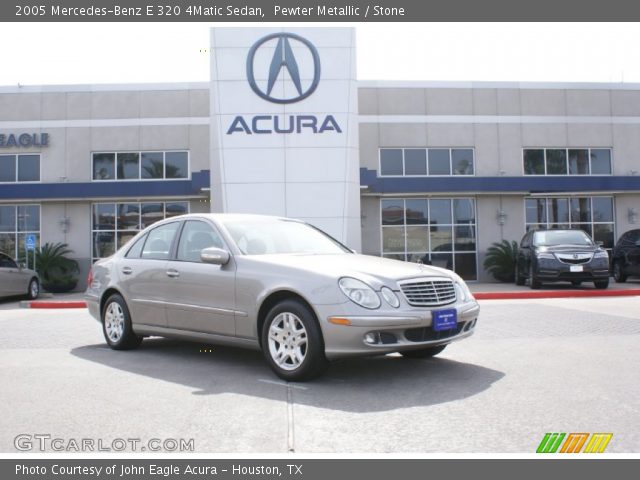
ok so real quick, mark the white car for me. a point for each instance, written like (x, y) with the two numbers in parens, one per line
(16, 280)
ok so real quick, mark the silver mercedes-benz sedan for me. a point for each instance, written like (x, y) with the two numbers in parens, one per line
(278, 285)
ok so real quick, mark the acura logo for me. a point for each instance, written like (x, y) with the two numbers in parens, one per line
(283, 59)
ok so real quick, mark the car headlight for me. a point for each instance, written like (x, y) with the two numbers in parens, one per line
(390, 297)
(462, 290)
(546, 255)
(601, 254)
(359, 292)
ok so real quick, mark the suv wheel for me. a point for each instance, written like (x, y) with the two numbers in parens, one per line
(292, 342)
(520, 279)
(618, 274)
(601, 284)
(116, 324)
(534, 283)
(424, 352)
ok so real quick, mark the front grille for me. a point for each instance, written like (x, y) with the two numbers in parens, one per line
(427, 334)
(574, 259)
(428, 293)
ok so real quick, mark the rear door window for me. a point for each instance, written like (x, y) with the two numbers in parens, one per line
(159, 241)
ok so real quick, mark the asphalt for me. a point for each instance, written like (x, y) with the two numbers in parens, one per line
(533, 366)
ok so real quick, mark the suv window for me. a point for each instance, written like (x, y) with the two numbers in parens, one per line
(195, 236)
(159, 240)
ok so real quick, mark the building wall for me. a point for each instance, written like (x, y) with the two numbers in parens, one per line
(81, 120)
(498, 121)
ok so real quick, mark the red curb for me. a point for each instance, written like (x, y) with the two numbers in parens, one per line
(58, 304)
(556, 294)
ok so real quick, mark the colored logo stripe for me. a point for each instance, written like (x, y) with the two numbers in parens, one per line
(574, 443)
(598, 442)
(550, 442)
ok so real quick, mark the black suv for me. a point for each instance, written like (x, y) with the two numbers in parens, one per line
(626, 256)
(561, 255)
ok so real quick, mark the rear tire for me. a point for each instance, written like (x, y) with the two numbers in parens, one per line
(601, 284)
(116, 325)
(34, 289)
(618, 273)
(292, 342)
(424, 352)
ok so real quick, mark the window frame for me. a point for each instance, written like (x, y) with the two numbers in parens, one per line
(140, 178)
(16, 165)
(567, 164)
(427, 174)
(429, 251)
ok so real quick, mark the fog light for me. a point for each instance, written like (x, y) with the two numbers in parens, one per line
(371, 338)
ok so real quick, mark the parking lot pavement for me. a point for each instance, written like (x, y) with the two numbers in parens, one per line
(534, 366)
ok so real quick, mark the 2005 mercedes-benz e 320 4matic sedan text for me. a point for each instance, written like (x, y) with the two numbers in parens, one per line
(274, 284)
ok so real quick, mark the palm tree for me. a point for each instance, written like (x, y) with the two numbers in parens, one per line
(57, 271)
(501, 260)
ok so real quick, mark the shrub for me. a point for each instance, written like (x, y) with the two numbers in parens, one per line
(501, 260)
(57, 272)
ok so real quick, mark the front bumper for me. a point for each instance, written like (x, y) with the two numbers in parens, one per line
(394, 330)
(555, 271)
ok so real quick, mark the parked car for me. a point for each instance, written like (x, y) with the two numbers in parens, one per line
(278, 285)
(625, 258)
(16, 280)
(554, 255)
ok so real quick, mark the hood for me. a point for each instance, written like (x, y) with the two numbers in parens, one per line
(376, 271)
(569, 248)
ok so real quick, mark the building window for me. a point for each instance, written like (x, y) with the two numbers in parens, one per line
(16, 222)
(114, 224)
(567, 161)
(411, 162)
(436, 231)
(20, 168)
(140, 165)
(594, 215)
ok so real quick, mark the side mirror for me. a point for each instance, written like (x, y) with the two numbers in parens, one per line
(215, 256)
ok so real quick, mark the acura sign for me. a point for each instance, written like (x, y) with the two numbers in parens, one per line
(284, 65)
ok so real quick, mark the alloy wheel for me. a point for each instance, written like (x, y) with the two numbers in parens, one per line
(287, 341)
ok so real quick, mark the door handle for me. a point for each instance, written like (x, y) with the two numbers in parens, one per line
(127, 270)
(173, 273)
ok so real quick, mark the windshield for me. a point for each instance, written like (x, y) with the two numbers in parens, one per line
(561, 237)
(261, 237)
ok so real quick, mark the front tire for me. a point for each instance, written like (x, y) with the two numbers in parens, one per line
(292, 342)
(424, 352)
(534, 283)
(601, 284)
(520, 280)
(618, 273)
(116, 324)
(34, 289)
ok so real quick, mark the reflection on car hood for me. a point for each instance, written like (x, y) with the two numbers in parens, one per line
(570, 248)
(359, 266)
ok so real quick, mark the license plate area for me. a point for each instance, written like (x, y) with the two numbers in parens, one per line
(444, 319)
(576, 268)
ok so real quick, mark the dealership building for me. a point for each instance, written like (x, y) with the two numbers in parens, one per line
(417, 171)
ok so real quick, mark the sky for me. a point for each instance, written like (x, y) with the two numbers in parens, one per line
(58, 53)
